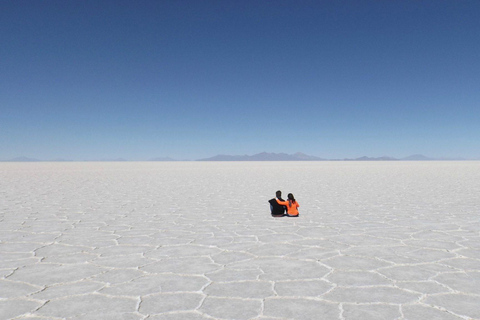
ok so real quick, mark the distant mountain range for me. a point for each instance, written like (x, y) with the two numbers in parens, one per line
(415, 157)
(266, 156)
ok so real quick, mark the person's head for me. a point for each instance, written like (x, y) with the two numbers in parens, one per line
(291, 199)
(278, 194)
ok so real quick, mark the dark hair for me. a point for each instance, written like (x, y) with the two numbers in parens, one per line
(291, 199)
(278, 194)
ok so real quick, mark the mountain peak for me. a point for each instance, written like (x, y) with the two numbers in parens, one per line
(417, 157)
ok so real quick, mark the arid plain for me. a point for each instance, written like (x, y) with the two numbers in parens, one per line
(195, 240)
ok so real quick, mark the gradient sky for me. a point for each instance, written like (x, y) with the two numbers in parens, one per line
(86, 80)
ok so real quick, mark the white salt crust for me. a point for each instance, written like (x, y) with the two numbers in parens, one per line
(195, 240)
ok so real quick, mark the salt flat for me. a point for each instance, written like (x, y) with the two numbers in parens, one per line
(195, 240)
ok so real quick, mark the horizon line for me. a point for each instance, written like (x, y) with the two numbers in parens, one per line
(251, 158)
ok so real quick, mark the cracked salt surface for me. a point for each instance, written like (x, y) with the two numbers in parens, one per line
(195, 240)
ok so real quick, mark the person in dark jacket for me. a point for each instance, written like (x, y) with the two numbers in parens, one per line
(276, 209)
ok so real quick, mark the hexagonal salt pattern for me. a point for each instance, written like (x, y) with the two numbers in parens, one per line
(192, 240)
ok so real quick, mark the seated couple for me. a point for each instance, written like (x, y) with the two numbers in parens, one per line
(278, 206)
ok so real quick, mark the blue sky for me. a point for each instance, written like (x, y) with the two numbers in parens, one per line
(86, 80)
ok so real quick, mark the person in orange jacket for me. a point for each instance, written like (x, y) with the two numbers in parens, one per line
(292, 205)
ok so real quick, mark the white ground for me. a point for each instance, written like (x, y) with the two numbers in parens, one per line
(194, 240)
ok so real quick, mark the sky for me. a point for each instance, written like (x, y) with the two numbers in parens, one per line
(90, 80)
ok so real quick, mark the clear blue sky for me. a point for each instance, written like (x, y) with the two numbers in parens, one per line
(86, 80)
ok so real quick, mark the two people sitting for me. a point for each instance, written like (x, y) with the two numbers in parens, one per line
(278, 205)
